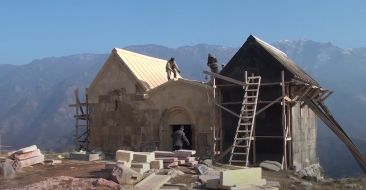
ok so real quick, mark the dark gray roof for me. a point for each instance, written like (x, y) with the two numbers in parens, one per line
(281, 57)
(288, 63)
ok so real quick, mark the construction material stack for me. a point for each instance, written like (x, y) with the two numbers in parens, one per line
(25, 157)
(178, 157)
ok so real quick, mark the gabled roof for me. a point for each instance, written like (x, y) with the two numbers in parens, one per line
(149, 71)
(281, 58)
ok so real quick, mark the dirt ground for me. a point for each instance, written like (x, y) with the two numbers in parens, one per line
(94, 170)
(39, 172)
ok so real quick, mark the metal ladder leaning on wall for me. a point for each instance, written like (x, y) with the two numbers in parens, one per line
(244, 130)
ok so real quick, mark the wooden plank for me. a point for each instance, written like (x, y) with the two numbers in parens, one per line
(153, 182)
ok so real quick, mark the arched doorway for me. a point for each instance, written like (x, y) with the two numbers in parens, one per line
(172, 119)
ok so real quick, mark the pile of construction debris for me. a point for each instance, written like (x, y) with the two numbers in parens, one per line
(137, 168)
(143, 170)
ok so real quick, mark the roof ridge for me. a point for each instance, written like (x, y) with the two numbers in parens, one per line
(139, 54)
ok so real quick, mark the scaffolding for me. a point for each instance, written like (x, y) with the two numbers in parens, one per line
(82, 122)
(284, 100)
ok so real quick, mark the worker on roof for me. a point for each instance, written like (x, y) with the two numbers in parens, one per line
(171, 66)
(178, 137)
(212, 63)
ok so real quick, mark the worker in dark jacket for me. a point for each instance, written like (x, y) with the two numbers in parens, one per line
(178, 137)
(212, 63)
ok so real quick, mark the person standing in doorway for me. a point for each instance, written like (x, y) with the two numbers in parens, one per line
(178, 137)
(171, 66)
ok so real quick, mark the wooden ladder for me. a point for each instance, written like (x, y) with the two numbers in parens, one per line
(244, 130)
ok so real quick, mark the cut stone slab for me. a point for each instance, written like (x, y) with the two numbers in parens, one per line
(156, 164)
(84, 156)
(124, 163)
(27, 149)
(164, 154)
(169, 165)
(241, 177)
(153, 182)
(168, 159)
(190, 164)
(28, 162)
(143, 165)
(124, 175)
(205, 178)
(190, 159)
(143, 156)
(184, 153)
(124, 155)
(201, 169)
(270, 165)
(27, 155)
(213, 183)
(140, 170)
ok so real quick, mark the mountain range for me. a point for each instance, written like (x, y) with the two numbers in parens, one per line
(35, 97)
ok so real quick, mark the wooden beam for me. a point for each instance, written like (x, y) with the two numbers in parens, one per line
(284, 162)
(226, 109)
(326, 95)
(269, 105)
(241, 83)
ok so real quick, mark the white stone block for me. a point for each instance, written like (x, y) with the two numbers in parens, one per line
(124, 155)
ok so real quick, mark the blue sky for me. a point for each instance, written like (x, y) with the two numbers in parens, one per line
(37, 29)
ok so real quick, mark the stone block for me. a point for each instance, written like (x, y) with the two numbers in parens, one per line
(143, 156)
(124, 163)
(212, 183)
(143, 165)
(164, 154)
(124, 155)
(201, 169)
(241, 177)
(27, 155)
(28, 162)
(153, 182)
(140, 170)
(169, 165)
(156, 164)
(125, 176)
(27, 149)
(168, 159)
(184, 153)
(271, 165)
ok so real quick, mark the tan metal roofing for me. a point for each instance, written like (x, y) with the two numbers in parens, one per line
(150, 71)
